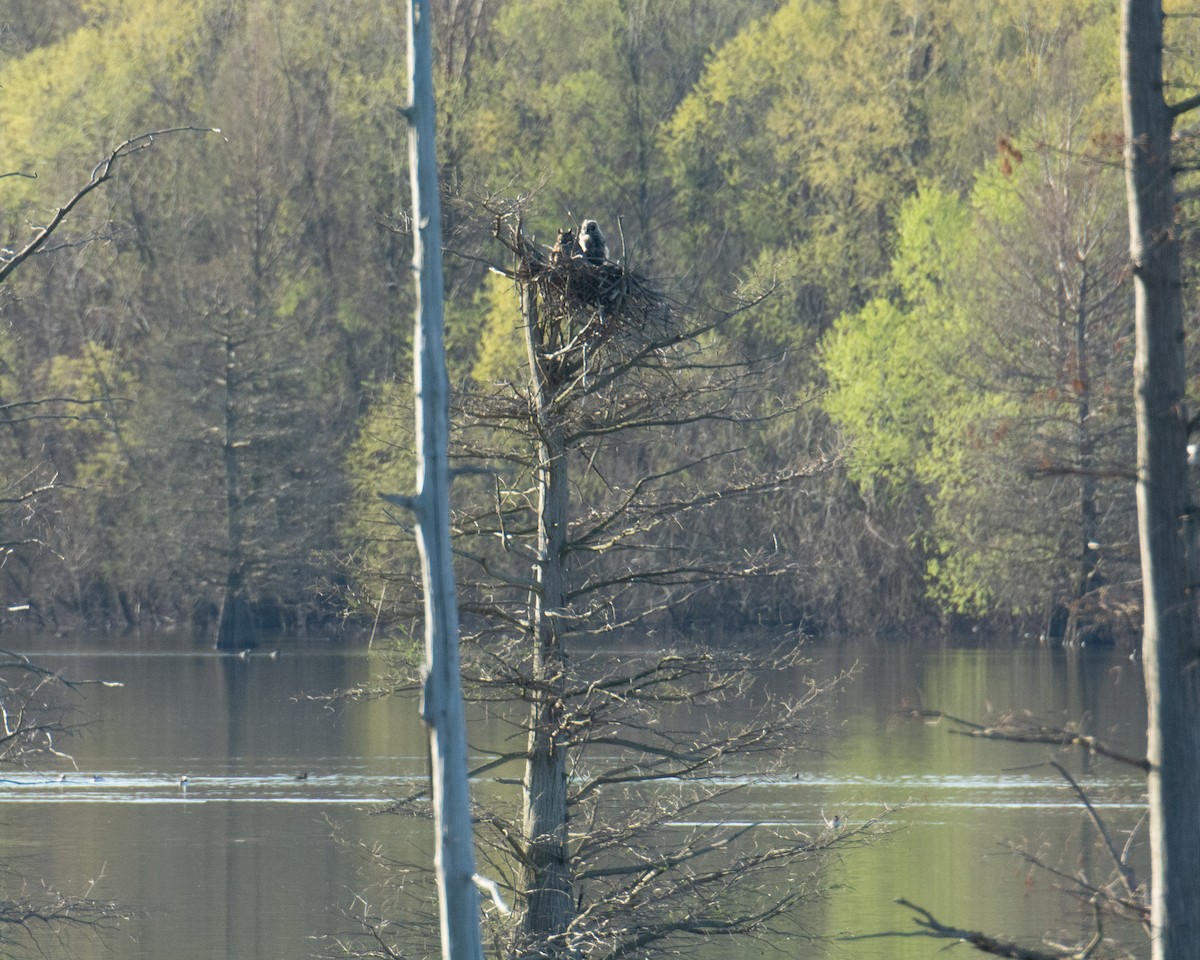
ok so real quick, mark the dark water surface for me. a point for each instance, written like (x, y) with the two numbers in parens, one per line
(241, 863)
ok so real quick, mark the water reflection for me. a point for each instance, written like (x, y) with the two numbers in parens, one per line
(240, 862)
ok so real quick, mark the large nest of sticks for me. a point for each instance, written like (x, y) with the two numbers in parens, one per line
(586, 308)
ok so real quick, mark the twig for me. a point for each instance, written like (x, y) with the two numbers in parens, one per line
(983, 942)
(1041, 734)
(101, 173)
(1127, 875)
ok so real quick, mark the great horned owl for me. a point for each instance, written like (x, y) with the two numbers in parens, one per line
(564, 247)
(592, 247)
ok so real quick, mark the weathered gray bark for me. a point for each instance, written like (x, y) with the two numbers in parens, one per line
(546, 882)
(442, 707)
(1169, 648)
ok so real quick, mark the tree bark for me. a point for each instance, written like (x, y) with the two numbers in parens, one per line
(1169, 651)
(442, 705)
(546, 877)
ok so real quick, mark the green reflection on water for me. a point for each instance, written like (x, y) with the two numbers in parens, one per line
(233, 878)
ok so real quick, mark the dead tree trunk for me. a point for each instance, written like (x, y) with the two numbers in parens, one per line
(442, 706)
(1169, 645)
(546, 882)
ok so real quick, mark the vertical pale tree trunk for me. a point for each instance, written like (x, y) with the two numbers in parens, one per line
(548, 900)
(1169, 648)
(442, 707)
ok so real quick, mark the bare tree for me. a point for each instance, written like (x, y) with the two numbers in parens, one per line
(1166, 517)
(606, 354)
(620, 841)
(442, 703)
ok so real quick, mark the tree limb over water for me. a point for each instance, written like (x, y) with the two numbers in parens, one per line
(1018, 730)
(985, 943)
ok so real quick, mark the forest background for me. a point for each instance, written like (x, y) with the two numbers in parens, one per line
(204, 373)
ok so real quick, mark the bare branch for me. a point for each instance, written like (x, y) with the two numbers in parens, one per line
(1013, 731)
(932, 927)
(1124, 870)
(1099, 895)
(101, 173)
(1184, 106)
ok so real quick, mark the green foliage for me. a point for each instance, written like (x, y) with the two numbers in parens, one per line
(266, 234)
(802, 134)
(554, 123)
(501, 344)
(990, 374)
(381, 459)
(809, 129)
(578, 124)
(787, 315)
(996, 379)
(89, 89)
(843, 153)
(888, 364)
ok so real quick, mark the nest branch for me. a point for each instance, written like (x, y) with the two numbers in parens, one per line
(587, 312)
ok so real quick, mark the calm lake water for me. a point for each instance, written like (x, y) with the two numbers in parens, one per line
(243, 863)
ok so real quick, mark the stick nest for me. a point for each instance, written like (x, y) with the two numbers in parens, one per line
(586, 310)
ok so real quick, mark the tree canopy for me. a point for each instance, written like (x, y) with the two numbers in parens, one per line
(937, 241)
